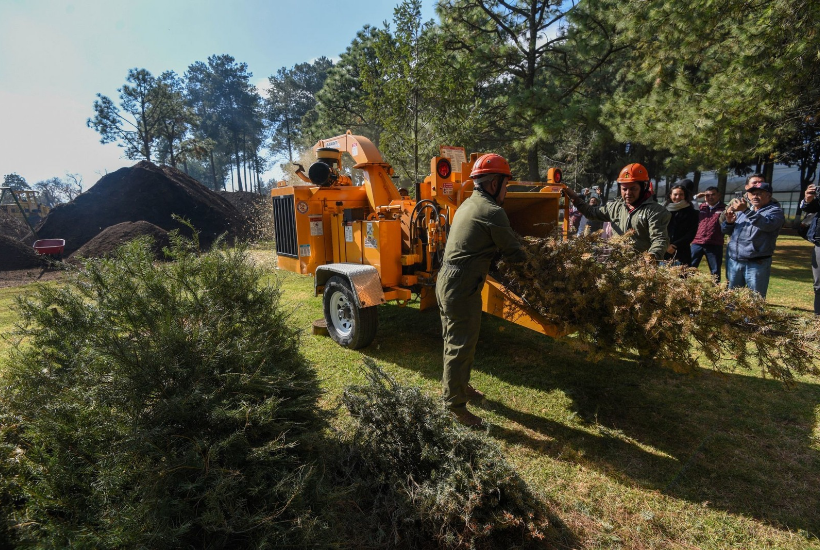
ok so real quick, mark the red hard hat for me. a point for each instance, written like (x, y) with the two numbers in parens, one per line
(491, 164)
(633, 173)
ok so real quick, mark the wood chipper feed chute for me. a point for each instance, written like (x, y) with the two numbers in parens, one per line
(533, 214)
(329, 226)
(500, 302)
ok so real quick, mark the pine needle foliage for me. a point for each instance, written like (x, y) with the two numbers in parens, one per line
(619, 300)
(432, 483)
(157, 405)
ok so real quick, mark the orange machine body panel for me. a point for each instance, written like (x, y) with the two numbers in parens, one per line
(369, 242)
(313, 208)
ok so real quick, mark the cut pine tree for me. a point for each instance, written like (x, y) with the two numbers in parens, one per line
(618, 300)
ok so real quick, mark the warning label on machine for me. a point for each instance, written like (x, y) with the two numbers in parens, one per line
(316, 227)
(370, 240)
(456, 155)
(349, 233)
(304, 250)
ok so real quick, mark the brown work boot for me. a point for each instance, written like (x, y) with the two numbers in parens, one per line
(466, 418)
(473, 394)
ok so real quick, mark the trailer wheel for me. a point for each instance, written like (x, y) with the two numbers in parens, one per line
(348, 324)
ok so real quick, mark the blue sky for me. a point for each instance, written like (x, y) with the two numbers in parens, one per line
(56, 55)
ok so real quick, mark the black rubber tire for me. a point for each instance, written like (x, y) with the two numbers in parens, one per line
(349, 325)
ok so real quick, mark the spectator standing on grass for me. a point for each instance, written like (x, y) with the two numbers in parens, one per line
(708, 240)
(809, 205)
(574, 219)
(683, 225)
(753, 232)
(480, 229)
(634, 210)
(585, 227)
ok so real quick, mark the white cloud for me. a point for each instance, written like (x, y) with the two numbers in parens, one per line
(262, 87)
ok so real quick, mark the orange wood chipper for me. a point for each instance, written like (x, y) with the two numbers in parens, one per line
(370, 244)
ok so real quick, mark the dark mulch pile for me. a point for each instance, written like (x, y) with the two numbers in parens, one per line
(17, 255)
(143, 192)
(112, 237)
(256, 209)
(12, 226)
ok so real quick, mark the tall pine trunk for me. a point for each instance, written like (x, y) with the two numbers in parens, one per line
(723, 176)
(238, 167)
(532, 164)
(416, 136)
(213, 169)
(245, 159)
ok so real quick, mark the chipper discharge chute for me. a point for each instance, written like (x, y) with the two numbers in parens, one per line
(369, 244)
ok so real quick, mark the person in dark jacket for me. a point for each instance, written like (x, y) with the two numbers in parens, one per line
(682, 225)
(809, 205)
(753, 235)
(689, 185)
(708, 240)
(586, 226)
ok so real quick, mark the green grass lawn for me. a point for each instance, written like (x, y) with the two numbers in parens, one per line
(628, 456)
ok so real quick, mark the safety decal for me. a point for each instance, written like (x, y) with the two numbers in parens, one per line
(304, 250)
(349, 233)
(316, 226)
(370, 240)
(456, 155)
(302, 207)
(447, 188)
(354, 149)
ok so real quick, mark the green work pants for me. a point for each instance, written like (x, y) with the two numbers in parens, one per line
(459, 298)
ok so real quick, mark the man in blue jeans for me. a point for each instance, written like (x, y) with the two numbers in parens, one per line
(709, 239)
(753, 232)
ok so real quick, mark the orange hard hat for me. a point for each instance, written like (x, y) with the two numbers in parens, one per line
(491, 164)
(633, 173)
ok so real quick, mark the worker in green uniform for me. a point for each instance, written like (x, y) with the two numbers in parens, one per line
(480, 229)
(634, 210)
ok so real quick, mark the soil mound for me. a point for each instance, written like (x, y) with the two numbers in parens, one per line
(16, 255)
(12, 226)
(113, 237)
(143, 192)
(257, 211)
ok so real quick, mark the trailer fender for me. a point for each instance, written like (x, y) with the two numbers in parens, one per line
(364, 281)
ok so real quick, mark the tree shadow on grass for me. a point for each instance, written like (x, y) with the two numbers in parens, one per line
(792, 262)
(743, 444)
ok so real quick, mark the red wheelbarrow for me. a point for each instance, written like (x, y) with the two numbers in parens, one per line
(49, 247)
